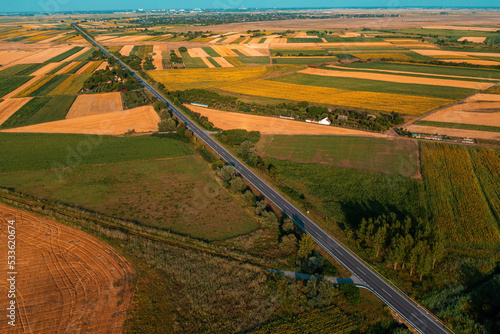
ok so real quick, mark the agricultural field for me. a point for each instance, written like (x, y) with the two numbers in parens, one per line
(9, 84)
(140, 119)
(465, 220)
(10, 106)
(207, 78)
(405, 104)
(71, 86)
(93, 104)
(61, 258)
(271, 125)
(40, 110)
(399, 157)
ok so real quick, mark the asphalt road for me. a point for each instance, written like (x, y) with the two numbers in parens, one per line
(407, 309)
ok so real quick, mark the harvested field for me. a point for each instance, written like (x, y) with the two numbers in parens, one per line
(405, 104)
(44, 55)
(158, 55)
(454, 132)
(140, 119)
(67, 68)
(472, 39)
(207, 62)
(46, 69)
(480, 113)
(272, 125)
(93, 104)
(445, 53)
(70, 281)
(10, 106)
(222, 62)
(198, 52)
(77, 54)
(7, 57)
(483, 97)
(125, 51)
(102, 66)
(399, 78)
(89, 68)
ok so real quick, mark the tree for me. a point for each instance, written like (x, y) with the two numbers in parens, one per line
(379, 239)
(245, 148)
(226, 173)
(306, 246)
(289, 243)
(397, 251)
(288, 225)
(416, 255)
(166, 125)
(437, 249)
(351, 293)
(236, 185)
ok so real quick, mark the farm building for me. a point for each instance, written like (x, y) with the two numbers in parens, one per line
(199, 104)
(342, 117)
(325, 121)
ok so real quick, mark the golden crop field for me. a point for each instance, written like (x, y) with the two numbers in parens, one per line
(208, 77)
(394, 55)
(71, 86)
(405, 104)
(35, 86)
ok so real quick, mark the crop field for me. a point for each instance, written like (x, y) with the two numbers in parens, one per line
(394, 55)
(272, 125)
(89, 67)
(60, 260)
(64, 55)
(205, 78)
(464, 126)
(140, 119)
(10, 106)
(30, 152)
(321, 321)
(193, 62)
(368, 85)
(398, 157)
(40, 110)
(126, 49)
(405, 104)
(9, 84)
(477, 113)
(398, 78)
(20, 69)
(454, 131)
(49, 85)
(92, 104)
(71, 86)
(465, 220)
(303, 60)
(431, 69)
(49, 67)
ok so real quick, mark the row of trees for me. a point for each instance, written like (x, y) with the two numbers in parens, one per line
(298, 110)
(409, 244)
(112, 79)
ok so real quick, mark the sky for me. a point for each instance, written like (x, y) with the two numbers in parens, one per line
(68, 5)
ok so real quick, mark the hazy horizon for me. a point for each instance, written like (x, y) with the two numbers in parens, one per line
(47, 6)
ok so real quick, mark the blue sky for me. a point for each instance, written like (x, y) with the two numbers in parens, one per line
(63, 5)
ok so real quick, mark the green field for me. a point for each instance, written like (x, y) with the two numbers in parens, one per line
(459, 126)
(85, 56)
(28, 152)
(71, 86)
(304, 52)
(308, 60)
(40, 110)
(49, 86)
(21, 69)
(211, 52)
(398, 157)
(65, 55)
(55, 70)
(8, 84)
(169, 194)
(77, 67)
(376, 86)
(260, 60)
(433, 69)
(192, 62)
(304, 40)
(213, 62)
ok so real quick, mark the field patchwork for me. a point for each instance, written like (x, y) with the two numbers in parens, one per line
(9, 106)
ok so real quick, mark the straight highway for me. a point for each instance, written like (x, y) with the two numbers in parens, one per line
(410, 311)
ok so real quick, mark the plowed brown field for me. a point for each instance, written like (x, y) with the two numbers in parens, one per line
(67, 281)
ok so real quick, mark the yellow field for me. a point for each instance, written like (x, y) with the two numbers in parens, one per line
(89, 67)
(91, 104)
(205, 78)
(409, 105)
(72, 85)
(398, 78)
(10, 106)
(140, 119)
(35, 86)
